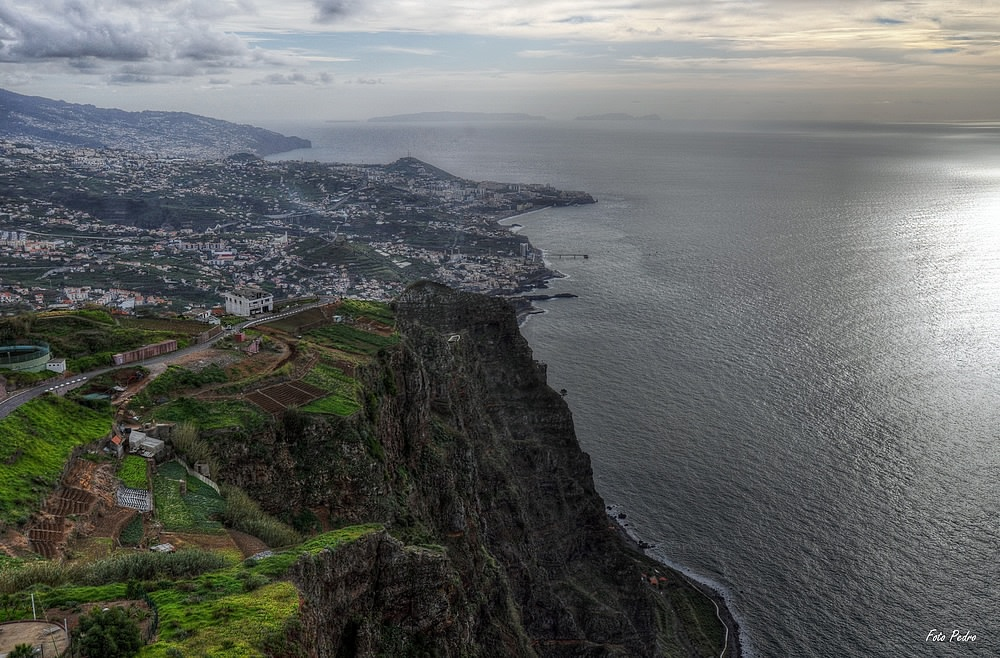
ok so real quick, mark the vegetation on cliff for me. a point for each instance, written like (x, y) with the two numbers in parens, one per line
(434, 502)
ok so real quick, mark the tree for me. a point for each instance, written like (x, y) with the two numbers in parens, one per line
(22, 651)
(107, 633)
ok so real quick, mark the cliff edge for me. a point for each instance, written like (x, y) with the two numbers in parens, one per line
(496, 542)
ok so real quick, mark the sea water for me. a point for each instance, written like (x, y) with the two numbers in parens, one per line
(783, 359)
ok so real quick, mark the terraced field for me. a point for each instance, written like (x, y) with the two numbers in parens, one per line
(279, 397)
(194, 511)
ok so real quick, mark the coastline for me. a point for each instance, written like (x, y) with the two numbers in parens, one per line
(525, 293)
(522, 300)
(733, 647)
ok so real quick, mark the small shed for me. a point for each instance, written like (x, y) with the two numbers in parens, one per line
(56, 365)
(117, 446)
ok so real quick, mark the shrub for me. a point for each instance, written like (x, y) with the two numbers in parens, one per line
(131, 534)
(244, 514)
(107, 633)
(188, 443)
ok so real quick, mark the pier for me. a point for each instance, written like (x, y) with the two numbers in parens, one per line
(561, 256)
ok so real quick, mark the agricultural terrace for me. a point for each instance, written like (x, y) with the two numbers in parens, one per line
(132, 472)
(343, 391)
(38, 438)
(198, 510)
(334, 339)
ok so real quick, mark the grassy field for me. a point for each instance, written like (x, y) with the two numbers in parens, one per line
(219, 617)
(132, 472)
(343, 398)
(211, 415)
(37, 440)
(175, 379)
(79, 334)
(207, 605)
(360, 308)
(131, 534)
(196, 511)
(277, 565)
(348, 339)
(168, 325)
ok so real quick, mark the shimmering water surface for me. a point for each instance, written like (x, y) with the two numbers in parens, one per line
(783, 360)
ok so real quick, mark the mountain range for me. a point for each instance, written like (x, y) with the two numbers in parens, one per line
(44, 121)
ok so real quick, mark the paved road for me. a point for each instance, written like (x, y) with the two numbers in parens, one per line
(61, 386)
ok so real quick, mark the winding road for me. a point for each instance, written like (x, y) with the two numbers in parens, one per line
(61, 386)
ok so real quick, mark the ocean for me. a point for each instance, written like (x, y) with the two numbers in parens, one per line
(783, 358)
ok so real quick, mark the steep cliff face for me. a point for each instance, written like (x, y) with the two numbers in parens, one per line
(499, 543)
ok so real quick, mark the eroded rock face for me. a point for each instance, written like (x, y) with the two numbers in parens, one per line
(379, 597)
(464, 446)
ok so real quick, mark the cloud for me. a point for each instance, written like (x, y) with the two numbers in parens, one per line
(67, 32)
(295, 78)
(423, 52)
(545, 54)
(169, 36)
(579, 20)
(332, 10)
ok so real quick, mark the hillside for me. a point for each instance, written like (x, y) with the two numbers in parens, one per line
(44, 121)
(438, 500)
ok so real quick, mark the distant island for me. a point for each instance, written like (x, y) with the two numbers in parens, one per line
(459, 116)
(43, 121)
(618, 116)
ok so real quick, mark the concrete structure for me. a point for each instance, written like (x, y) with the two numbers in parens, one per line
(49, 639)
(25, 356)
(145, 446)
(56, 365)
(246, 302)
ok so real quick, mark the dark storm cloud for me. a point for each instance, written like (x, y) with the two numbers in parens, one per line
(170, 38)
(72, 32)
(331, 10)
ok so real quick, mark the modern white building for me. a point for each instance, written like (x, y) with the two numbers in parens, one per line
(246, 302)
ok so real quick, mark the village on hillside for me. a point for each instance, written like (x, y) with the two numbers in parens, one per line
(141, 234)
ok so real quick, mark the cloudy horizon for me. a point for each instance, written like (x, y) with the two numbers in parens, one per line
(244, 60)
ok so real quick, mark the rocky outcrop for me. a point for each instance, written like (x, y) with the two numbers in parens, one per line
(379, 597)
(464, 449)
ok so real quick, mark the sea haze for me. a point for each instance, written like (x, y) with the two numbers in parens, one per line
(783, 359)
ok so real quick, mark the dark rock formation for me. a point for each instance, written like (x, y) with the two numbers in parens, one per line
(462, 449)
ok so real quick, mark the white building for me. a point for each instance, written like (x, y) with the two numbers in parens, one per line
(56, 365)
(246, 302)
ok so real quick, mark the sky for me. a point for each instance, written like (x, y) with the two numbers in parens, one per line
(267, 61)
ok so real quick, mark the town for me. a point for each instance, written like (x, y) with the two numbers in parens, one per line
(150, 234)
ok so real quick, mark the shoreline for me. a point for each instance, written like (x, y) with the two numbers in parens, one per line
(525, 292)
(733, 647)
(522, 300)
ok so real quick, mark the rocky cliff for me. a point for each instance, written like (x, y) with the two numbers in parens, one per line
(496, 542)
